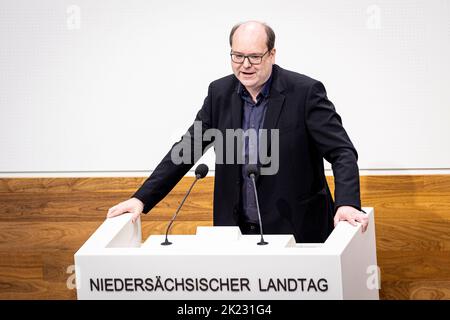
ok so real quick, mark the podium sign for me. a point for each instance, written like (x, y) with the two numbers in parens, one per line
(221, 263)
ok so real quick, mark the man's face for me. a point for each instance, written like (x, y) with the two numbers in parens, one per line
(251, 40)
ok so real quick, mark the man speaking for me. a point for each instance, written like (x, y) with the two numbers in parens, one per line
(261, 95)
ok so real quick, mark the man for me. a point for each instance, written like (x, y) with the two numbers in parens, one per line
(261, 95)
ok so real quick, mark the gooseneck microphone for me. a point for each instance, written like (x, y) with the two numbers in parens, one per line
(200, 172)
(252, 171)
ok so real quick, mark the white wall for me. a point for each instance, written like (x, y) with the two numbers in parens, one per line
(108, 85)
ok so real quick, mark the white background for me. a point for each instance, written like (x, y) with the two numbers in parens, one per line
(109, 86)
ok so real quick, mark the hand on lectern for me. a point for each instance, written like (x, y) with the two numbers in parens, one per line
(352, 215)
(133, 205)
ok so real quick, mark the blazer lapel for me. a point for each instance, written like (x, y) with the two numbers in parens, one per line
(274, 107)
(276, 100)
(236, 110)
(236, 123)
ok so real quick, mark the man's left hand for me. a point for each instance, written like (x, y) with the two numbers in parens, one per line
(352, 215)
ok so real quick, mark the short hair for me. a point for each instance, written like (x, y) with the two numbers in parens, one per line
(270, 42)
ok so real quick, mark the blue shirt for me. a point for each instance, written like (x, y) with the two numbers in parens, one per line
(252, 118)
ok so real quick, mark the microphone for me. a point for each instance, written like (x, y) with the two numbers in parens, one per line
(252, 171)
(200, 172)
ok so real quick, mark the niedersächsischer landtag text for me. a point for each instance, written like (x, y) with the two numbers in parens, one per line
(159, 284)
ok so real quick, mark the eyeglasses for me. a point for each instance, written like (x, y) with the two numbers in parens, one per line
(253, 58)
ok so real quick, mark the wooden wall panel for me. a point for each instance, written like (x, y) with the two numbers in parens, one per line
(43, 221)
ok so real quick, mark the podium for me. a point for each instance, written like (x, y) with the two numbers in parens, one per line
(221, 263)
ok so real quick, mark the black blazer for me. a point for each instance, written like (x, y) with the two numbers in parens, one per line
(297, 199)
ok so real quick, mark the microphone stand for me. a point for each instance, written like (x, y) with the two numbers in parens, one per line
(261, 242)
(167, 242)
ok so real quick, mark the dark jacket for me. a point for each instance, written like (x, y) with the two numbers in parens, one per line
(296, 200)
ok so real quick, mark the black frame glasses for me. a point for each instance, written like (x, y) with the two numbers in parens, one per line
(252, 58)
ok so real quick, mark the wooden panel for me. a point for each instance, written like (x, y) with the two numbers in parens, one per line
(416, 290)
(412, 234)
(21, 275)
(414, 265)
(91, 206)
(33, 236)
(43, 222)
(88, 199)
(403, 197)
(64, 185)
(105, 185)
(36, 258)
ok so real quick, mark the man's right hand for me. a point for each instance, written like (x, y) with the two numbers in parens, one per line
(133, 205)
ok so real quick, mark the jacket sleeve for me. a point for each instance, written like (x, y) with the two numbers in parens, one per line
(325, 127)
(168, 172)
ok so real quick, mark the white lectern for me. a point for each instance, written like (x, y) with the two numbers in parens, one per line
(221, 263)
